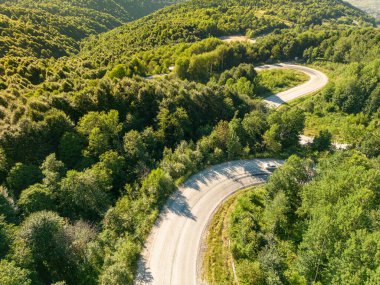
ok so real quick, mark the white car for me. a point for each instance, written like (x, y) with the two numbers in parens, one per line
(270, 166)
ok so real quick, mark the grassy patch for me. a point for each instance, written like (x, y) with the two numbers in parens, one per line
(276, 80)
(323, 115)
(347, 128)
(217, 264)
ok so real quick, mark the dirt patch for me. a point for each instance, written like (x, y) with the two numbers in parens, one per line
(237, 38)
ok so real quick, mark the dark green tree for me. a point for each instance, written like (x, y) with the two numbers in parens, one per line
(322, 142)
(36, 198)
(21, 176)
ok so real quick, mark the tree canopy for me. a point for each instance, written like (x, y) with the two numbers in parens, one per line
(101, 119)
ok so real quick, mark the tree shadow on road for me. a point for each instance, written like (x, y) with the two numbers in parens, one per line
(144, 276)
(178, 205)
(230, 170)
(275, 99)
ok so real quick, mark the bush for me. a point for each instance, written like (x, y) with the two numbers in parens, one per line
(21, 176)
(10, 274)
(36, 198)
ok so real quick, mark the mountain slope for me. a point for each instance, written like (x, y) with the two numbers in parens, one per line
(194, 20)
(95, 146)
(54, 28)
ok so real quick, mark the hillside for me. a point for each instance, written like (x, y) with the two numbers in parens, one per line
(92, 147)
(195, 20)
(300, 228)
(370, 6)
(54, 28)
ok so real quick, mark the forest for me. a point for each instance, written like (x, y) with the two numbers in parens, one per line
(47, 28)
(302, 229)
(91, 147)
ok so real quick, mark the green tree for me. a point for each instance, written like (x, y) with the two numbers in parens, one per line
(7, 208)
(254, 125)
(21, 176)
(85, 194)
(102, 130)
(114, 163)
(183, 161)
(36, 198)
(181, 67)
(250, 273)
(43, 241)
(6, 236)
(370, 144)
(272, 139)
(291, 122)
(119, 71)
(138, 152)
(120, 265)
(234, 147)
(11, 274)
(52, 170)
(70, 148)
(3, 165)
(290, 179)
(173, 125)
(322, 142)
(142, 204)
(157, 186)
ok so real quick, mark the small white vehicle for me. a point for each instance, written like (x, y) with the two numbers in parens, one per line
(270, 166)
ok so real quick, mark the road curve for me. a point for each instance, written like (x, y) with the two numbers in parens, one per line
(171, 252)
(317, 81)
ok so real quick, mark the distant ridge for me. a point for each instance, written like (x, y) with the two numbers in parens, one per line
(372, 7)
(53, 28)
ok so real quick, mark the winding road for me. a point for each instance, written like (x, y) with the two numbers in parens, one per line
(171, 254)
(317, 81)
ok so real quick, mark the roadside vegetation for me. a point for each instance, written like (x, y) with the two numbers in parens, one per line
(218, 263)
(90, 149)
(339, 109)
(274, 81)
(303, 229)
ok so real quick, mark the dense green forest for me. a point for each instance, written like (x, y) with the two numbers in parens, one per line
(196, 20)
(48, 28)
(90, 148)
(303, 229)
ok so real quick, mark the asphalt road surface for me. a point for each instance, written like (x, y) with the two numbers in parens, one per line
(172, 251)
(317, 81)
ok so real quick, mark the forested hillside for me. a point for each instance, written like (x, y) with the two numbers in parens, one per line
(90, 149)
(46, 28)
(196, 20)
(303, 229)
